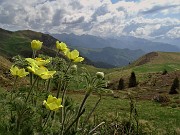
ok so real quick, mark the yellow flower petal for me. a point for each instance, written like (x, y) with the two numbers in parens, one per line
(15, 71)
(38, 61)
(48, 74)
(52, 103)
(61, 46)
(79, 59)
(36, 45)
(74, 54)
(22, 73)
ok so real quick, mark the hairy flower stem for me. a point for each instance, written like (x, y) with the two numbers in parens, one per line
(31, 88)
(46, 119)
(60, 88)
(57, 53)
(15, 80)
(65, 133)
(63, 109)
(49, 80)
(81, 107)
(48, 85)
(34, 54)
(31, 78)
(89, 115)
(13, 91)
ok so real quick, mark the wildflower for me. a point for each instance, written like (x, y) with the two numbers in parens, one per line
(74, 56)
(41, 71)
(47, 74)
(15, 71)
(52, 103)
(38, 61)
(100, 75)
(36, 45)
(33, 67)
(61, 46)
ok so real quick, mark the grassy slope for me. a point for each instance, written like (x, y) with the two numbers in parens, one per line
(12, 44)
(164, 60)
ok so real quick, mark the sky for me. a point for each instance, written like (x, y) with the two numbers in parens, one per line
(149, 19)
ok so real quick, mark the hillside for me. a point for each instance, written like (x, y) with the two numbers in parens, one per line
(13, 43)
(158, 58)
(149, 69)
(112, 56)
(153, 62)
(18, 43)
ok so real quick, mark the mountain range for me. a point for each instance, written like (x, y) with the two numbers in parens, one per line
(122, 42)
(97, 51)
(115, 57)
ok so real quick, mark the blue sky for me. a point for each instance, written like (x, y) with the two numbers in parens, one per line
(114, 1)
(148, 19)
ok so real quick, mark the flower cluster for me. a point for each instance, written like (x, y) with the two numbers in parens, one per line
(72, 55)
(37, 67)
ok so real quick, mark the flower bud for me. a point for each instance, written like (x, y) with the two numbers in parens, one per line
(36, 45)
(74, 67)
(100, 75)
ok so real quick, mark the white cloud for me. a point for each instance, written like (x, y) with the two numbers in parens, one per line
(174, 33)
(97, 17)
(145, 31)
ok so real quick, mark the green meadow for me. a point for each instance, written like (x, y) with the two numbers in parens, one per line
(163, 120)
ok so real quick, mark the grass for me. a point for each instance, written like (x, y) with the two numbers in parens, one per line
(147, 68)
(161, 118)
(164, 60)
(13, 45)
(142, 71)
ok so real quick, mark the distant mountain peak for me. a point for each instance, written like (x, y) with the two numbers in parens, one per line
(122, 42)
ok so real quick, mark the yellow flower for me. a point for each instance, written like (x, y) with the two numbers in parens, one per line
(61, 46)
(52, 103)
(47, 74)
(41, 71)
(74, 56)
(33, 67)
(36, 45)
(39, 61)
(15, 71)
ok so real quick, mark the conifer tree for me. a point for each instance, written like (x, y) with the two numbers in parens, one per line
(121, 84)
(174, 86)
(132, 80)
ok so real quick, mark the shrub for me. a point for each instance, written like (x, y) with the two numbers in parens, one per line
(164, 72)
(174, 86)
(132, 80)
(161, 99)
(121, 84)
(174, 105)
